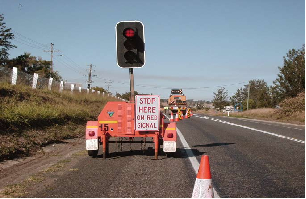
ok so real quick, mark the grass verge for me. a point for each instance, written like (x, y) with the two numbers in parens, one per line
(292, 110)
(267, 114)
(33, 118)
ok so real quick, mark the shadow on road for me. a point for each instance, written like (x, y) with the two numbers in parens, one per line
(213, 144)
(180, 153)
(187, 153)
(118, 154)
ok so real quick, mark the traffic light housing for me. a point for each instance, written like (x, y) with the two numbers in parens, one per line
(130, 44)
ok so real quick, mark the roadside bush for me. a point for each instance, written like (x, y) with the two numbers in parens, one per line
(292, 106)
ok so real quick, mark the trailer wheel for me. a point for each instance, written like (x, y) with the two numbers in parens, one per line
(93, 153)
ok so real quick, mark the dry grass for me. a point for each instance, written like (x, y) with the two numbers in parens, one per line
(292, 111)
(268, 114)
(31, 119)
(262, 113)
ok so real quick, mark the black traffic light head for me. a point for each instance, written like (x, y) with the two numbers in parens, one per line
(130, 44)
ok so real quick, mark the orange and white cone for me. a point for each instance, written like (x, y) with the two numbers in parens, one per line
(186, 115)
(171, 118)
(203, 185)
(176, 117)
(191, 114)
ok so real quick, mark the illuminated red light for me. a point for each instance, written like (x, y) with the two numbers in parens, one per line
(129, 32)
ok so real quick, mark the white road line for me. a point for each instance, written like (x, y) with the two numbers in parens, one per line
(194, 162)
(265, 132)
(192, 158)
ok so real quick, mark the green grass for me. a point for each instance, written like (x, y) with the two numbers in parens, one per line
(31, 118)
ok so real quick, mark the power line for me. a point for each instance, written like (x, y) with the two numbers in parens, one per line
(34, 44)
(68, 62)
(52, 51)
(108, 83)
(67, 65)
(20, 36)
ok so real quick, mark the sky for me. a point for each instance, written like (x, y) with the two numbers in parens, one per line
(197, 45)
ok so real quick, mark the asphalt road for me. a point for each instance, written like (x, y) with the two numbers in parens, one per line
(248, 158)
(124, 174)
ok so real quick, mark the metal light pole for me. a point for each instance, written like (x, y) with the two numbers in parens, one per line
(132, 84)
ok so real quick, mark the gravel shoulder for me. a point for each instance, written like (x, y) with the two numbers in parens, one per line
(65, 170)
(19, 176)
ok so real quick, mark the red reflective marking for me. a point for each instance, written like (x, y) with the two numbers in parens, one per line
(91, 133)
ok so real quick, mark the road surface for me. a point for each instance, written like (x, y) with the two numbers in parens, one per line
(248, 158)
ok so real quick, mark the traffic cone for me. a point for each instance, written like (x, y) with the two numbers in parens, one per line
(182, 115)
(176, 117)
(203, 185)
(186, 115)
(171, 118)
(191, 114)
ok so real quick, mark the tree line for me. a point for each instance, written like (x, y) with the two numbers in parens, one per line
(289, 83)
(26, 62)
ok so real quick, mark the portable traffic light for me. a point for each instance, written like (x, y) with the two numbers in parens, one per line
(130, 44)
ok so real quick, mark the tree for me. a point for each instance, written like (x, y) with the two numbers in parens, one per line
(30, 64)
(291, 77)
(221, 98)
(5, 41)
(259, 92)
(238, 97)
(127, 95)
(99, 89)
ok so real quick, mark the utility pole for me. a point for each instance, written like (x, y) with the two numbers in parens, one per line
(52, 57)
(248, 97)
(108, 83)
(89, 76)
(52, 51)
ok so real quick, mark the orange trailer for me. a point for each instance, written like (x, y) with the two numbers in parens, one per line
(122, 119)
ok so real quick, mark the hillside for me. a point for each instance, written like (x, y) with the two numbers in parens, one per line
(33, 118)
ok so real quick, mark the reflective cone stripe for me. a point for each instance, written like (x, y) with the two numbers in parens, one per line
(203, 185)
(171, 119)
(176, 117)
